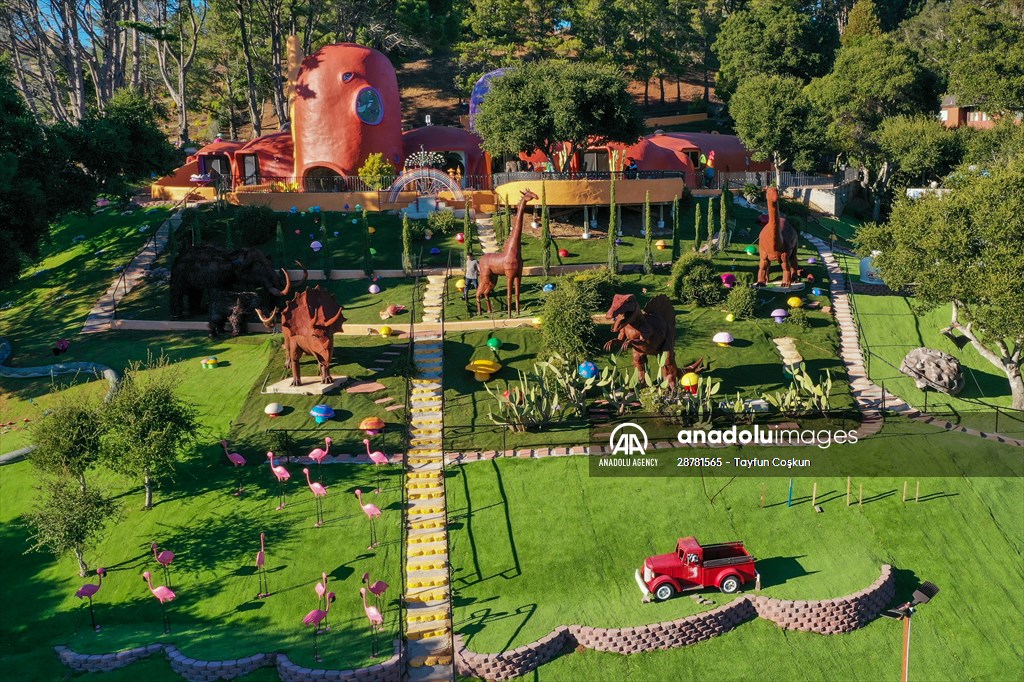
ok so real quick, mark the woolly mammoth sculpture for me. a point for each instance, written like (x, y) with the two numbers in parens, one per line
(309, 323)
(930, 368)
(650, 331)
(203, 270)
(234, 308)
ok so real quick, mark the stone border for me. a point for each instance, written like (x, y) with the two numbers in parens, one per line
(826, 616)
(195, 670)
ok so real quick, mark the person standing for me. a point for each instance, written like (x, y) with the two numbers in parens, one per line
(472, 275)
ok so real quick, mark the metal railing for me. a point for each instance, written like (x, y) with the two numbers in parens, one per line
(444, 468)
(736, 180)
(410, 362)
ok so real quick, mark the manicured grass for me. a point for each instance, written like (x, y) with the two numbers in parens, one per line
(150, 300)
(542, 543)
(77, 271)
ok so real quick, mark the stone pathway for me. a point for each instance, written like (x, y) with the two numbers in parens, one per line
(786, 346)
(485, 235)
(102, 314)
(432, 296)
(428, 594)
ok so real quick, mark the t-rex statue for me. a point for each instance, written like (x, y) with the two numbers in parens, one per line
(651, 331)
(777, 242)
(509, 262)
(309, 323)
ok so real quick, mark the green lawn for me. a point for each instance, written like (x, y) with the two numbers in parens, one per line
(53, 297)
(514, 581)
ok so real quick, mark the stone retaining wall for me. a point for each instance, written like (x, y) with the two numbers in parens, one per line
(195, 670)
(827, 616)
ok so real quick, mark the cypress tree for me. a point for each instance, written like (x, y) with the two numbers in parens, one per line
(723, 216)
(613, 228)
(711, 224)
(648, 236)
(675, 229)
(697, 215)
(279, 244)
(406, 245)
(467, 233)
(367, 254)
(545, 231)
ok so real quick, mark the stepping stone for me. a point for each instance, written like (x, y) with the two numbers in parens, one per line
(366, 387)
(392, 408)
(381, 401)
(392, 352)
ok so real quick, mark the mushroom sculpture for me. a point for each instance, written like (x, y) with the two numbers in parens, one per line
(780, 315)
(483, 368)
(386, 331)
(321, 413)
(372, 425)
(209, 363)
(729, 280)
(661, 245)
(273, 409)
(751, 250)
(723, 339)
(689, 382)
(795, 302)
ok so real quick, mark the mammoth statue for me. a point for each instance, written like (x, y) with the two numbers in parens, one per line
(207, 269)
(309, 323)
(234, 308)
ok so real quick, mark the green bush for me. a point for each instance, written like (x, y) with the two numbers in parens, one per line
(255, 225)
(602, 281)
(694, 280)
(798, 318)
(443, 222)
(377, 172)
(568, 328)
(741, 301)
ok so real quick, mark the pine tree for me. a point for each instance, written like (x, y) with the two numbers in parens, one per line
(406, 245)
(648, 236)
(613, 229)
(697, 215)
(545, 231)
(675, 229)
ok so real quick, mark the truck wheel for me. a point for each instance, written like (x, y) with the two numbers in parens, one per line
(731, 585)
(665, 591)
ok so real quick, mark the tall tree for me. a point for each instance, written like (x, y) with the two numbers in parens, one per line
(986, 58)
(863, 21)
(920, 148)
(965, 249)
(67, 439)
(69, 518)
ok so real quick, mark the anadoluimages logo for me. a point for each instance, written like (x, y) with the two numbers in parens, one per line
(628, 439)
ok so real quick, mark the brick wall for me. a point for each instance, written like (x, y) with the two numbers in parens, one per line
(827, 616)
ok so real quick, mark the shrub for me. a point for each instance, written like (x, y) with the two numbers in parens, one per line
(798, 318)
(255, 225)
(694, 280)
(741, 301)
(377, 172)
(568, 329)
(443, 222)
(602, 281)
(752, 193)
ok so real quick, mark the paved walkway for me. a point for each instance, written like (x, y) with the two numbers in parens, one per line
(428, 594)
(102, 314)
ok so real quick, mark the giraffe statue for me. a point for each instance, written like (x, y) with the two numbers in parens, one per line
(777, 242)
(509, 261)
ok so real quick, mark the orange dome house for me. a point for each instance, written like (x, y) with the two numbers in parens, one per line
(462, 149)
(265, 159)
(346, 107)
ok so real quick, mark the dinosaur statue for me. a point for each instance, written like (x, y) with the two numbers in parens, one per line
(777, 242)
(309, 323)
(651, 331)
(509, 261)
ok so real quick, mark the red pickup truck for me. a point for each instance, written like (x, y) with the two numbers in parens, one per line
(693, 566)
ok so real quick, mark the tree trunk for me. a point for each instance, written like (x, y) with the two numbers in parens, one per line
(255, 114)
(661, 85)
(136, 49)
(1008, 362)
(83, 568)
(1016, 387)
(149, 491)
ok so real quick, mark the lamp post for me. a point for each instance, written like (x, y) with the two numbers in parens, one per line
(922, 595)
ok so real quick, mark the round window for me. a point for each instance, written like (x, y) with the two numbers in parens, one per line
(369, 106)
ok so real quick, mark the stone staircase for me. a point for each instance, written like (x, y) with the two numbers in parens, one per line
(428, 595)
(432, 295)
(485, 235)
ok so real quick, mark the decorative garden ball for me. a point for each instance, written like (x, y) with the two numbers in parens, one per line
(460, 237)
(373, 251)
(359, 207)
(549, 287)
(346, 207)
(563, 253)
(535, 224)
(298, 231)
(386, 330)
(316, 246)
(460, 284)
(428, 233)
(723, 339)
(312, 236)
(816, 291)
(321, 413)
(435, 251)
(730, 318)
(374, 289)
(355, 221)
(729, 280)
(494, 343)
(375, 278)
(795, 302)
(812, 261)
(587, 370)
(689, 381)
(618, 241)
(780, 315)
(273, 409)
(294, 209)
(661, 245)
(751, 250)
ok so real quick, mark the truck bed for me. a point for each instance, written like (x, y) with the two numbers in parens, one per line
(725, 554)
(728, 561)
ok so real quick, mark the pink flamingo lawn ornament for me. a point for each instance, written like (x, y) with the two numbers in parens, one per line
(164, 595)
(282, 475)
(372, 615)
(318, 455)
(378, 458)
(377, 588)
(314, 618)
(88, 590)
(261, 568)
(321, 593)
(238, 461)
(319, 492)
(164, 558)
(372, 511)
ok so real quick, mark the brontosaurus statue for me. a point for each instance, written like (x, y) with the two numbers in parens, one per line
(509, 262)
(651, 331)
(777, 242)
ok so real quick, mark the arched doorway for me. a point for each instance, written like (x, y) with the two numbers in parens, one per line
(323, 179)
